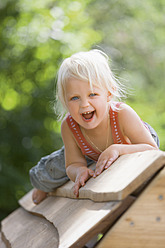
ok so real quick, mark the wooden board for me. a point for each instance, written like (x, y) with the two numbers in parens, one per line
(23, 230)
(121, 179)
(143, 225)
(2, 244)
(77, 221)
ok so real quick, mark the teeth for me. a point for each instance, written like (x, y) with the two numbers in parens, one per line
(87, 113)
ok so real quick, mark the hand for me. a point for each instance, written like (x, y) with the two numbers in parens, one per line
(106, 158)
(83, 175)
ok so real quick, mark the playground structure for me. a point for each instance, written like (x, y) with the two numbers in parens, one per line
(125, 205)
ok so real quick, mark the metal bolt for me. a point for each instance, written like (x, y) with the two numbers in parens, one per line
(160, 197)
(131, 223)
(158, 219)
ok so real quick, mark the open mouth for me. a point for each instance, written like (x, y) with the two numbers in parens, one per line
(88, 115)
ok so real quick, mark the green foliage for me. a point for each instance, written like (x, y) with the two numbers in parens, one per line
(134, 37)
(133, 34)
(151, 110)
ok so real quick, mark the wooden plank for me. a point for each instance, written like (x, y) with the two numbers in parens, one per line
(2, 244)
(23, 230)
(121, 179)
(143, 225)
(77, 221)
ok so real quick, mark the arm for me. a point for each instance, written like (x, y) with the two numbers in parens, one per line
(139, 139)
(75, 162)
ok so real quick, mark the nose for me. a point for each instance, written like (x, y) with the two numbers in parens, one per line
(84, 102)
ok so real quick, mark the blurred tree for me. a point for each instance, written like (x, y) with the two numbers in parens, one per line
(134, 37)
(35, 37)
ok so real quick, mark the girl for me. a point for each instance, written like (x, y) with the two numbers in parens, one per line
(96, 126)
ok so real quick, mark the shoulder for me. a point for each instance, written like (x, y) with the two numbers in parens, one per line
(64, 123)
(68, 123)
(126, 112)
(66, 133)
(65, 130)
(128, 118)
(133, 127)
(122, 110)
(67, 127)
(120, 107)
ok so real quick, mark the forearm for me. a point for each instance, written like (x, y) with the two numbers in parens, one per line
(114, 151)
(132, 148)
(73, 170)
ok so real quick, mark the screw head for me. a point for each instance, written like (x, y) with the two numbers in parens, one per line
(160, 197)
(158, 219)
(131, 223)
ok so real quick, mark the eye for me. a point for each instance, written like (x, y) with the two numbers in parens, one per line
(74, 98)
(93, 94)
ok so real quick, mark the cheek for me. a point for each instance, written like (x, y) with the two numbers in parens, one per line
(102, 107)
(101, 103)
(72, 107)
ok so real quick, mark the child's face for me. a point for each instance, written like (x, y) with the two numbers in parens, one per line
(88, 108)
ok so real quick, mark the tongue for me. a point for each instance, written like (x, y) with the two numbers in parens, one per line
(88, 116)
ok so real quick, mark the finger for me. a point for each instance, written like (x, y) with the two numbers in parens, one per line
(84, 178)
(108, 164)
(76, 187)
(110, 161)
(91, 173)
(100, 167)
(76, 190)
(82, 181)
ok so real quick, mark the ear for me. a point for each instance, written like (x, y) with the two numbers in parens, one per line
(109, 96)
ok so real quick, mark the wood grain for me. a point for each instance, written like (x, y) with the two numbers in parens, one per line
(121, 179)
(2, 244)
(143, 225)
(24, 230)
(77, 221)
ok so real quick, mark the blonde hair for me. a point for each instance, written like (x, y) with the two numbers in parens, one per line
(91, 66)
